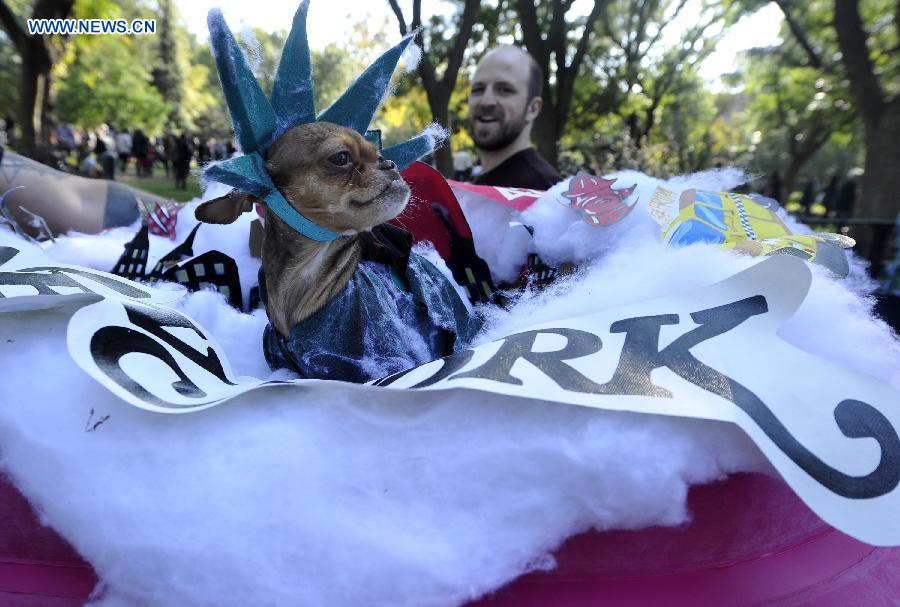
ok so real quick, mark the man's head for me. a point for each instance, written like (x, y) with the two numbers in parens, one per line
(505, 99)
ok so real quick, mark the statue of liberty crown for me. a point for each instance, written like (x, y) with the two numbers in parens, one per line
(259, 122)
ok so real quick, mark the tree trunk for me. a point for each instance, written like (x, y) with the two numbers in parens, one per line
(35, 82)
(443, 159)
(879, 196)
(547, 131)
(38, 56)
(790, 177)
(439, 90)
(443, 156)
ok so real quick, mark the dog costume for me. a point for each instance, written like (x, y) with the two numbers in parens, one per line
(398, 310)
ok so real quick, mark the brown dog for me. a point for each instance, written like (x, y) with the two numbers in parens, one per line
(337, 179)
(358, 307)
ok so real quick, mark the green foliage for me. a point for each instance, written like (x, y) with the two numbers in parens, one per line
(333, 71)
(638, 101)
(167, 73)
(802, 111)
(108, 83)
(10, 65)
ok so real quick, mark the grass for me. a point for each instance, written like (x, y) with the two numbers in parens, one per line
(161, 185)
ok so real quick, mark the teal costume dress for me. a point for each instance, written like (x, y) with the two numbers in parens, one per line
(396, 312)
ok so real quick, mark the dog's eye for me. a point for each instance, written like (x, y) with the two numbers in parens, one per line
(340, 159)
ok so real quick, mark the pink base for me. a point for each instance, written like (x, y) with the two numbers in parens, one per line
(37, 567)
(752, 542)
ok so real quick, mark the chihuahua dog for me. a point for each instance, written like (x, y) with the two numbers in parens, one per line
(327, 301)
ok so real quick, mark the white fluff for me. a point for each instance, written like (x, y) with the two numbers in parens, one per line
(322, 497)
(436, 135)
(411, 57)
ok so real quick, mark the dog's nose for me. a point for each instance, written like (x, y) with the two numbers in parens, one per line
(386, 165)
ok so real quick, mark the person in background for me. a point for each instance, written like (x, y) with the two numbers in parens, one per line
(105, 150)
(808, 197)
(846, 198)
(204, 150)
(774, 187)
(140, 147)
(462, 165)
(149, 158)
(829, 195)
(181, 160)
(65, 138)
(168, 150)
(10, 126)
(123, 146)
(504, 101)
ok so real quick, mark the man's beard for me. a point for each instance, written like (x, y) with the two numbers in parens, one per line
(508, 132)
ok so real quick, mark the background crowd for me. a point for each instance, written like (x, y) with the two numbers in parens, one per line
(812, 108)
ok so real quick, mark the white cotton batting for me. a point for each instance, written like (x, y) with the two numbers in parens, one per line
(318, 496)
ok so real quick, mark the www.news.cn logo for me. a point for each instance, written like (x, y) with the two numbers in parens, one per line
(91, 26)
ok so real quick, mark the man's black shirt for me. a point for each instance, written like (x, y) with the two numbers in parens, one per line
(525, 169)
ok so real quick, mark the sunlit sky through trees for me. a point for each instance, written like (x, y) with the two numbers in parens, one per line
(333, 21)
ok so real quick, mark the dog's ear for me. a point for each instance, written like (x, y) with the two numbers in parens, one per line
(225, 209)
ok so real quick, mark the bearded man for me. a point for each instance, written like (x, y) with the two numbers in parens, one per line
(504, 101)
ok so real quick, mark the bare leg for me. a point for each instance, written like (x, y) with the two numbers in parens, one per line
(68, 202)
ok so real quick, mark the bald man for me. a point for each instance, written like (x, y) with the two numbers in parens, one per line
(504, 102)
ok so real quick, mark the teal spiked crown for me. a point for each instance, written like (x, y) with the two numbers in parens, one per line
(259, 122)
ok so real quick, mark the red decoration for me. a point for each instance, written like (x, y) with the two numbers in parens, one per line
(163, 219)
(598, 202)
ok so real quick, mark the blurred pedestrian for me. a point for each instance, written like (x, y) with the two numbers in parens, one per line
(123, 146)
(105, 150)
(181, 160)
(829, 195)
(774, 187)
(846, 199)
(202, 150)
(65, 138)
(462, 165)
(168, 147)
(9, 127)
(140, 148)
(808, 197)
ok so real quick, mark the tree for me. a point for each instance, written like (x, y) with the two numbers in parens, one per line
(107, 82)
(10, 79)
(167, 75)
(439, 49)
(38, 54)
(639, 87)
(796, 110)
(641, 70)
(560, 67)
(869, 58)
(202, 106)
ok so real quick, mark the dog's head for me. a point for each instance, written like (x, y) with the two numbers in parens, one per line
(330, 174)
